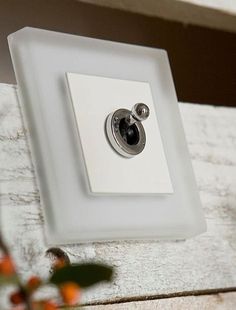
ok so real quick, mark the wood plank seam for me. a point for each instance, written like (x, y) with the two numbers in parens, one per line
(164, 296)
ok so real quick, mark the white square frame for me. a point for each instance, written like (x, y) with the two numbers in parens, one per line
(41, 58)
(93, 99)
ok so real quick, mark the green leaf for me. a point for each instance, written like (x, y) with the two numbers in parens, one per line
(83, 274)
(8, 280)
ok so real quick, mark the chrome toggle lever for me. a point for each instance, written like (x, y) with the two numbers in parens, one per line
(125, 131)
(139, 113)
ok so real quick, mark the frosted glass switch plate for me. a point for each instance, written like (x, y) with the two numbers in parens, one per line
(93, 98)
(41, 61)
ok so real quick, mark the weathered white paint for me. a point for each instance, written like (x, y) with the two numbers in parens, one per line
(142, 268)
(226, 301)
(220, 14)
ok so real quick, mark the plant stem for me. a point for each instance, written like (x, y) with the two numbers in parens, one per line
(3, 246)
(28, 303)
(5, 250)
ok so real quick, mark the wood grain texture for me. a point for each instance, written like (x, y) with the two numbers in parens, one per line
(226, 301)
(141, 268)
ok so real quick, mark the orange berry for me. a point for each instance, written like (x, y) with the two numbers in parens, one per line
(70, 293)
(44, 305)
(59, 263)
(17, 298)
(49, 305)
(33, 283)
(6, 266)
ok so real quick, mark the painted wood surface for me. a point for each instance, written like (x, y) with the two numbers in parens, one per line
(142, 269)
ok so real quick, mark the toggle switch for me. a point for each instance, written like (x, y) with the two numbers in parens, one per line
(90, 192)
(125, 131)
(122, 147)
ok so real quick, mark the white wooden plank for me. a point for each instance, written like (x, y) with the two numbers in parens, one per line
(225, 301)
(209, 13)
(142, 268)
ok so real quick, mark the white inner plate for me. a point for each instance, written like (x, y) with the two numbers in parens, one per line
(93, 99)
(41, 59)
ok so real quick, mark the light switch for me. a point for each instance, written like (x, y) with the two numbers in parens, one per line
(93, 98)
(90, 191)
